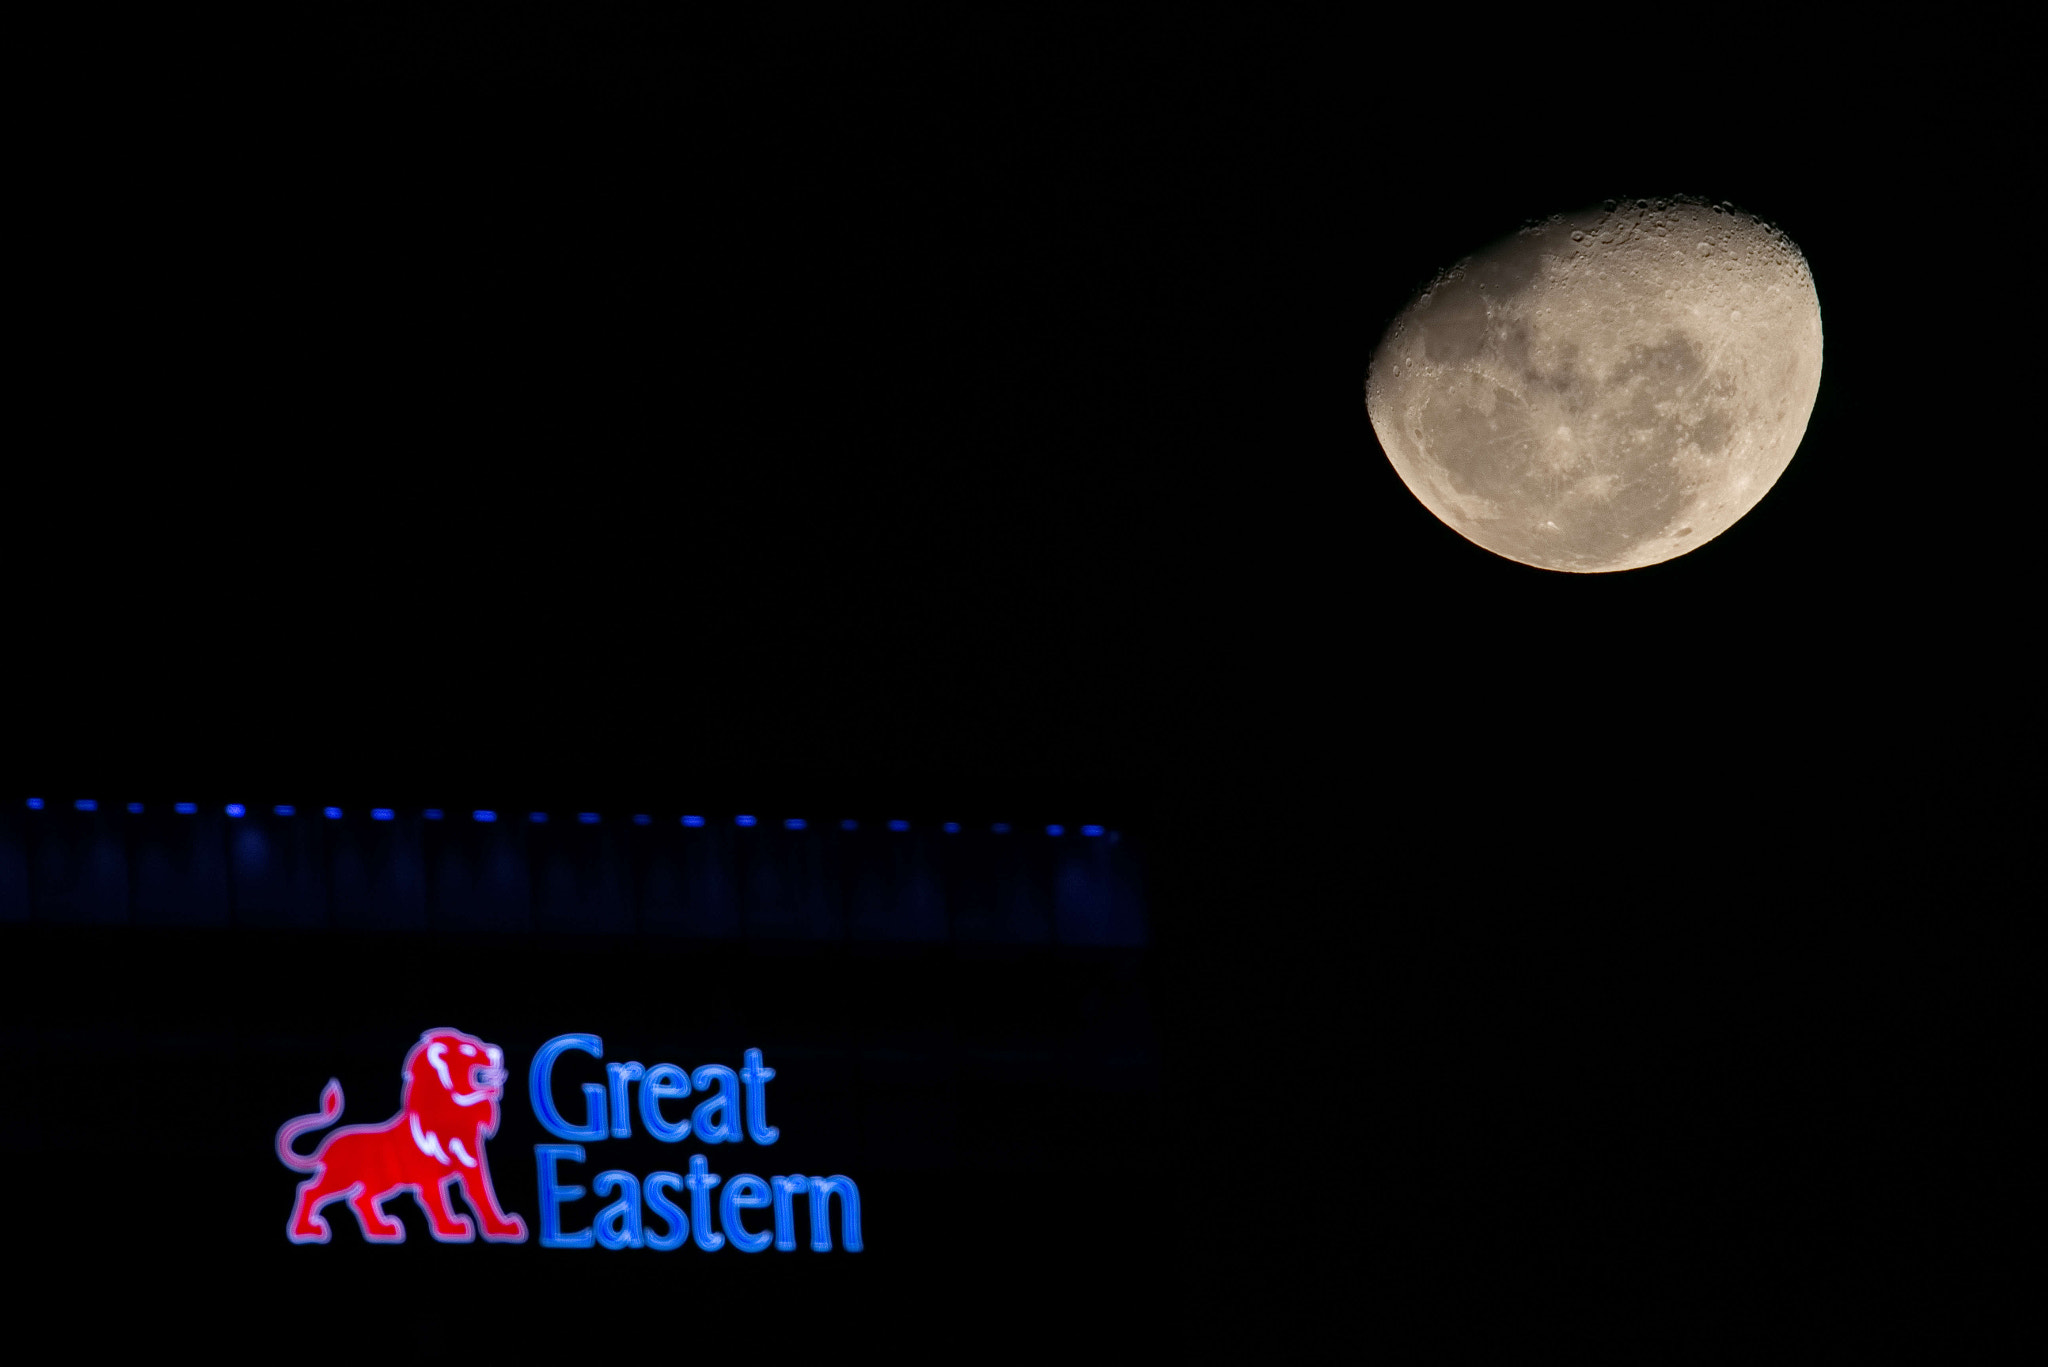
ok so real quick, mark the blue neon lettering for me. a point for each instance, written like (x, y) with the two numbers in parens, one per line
(618, 1224)
(618, 1075)
(744, 1192)
(727, 1128)
(823, 1189)
(655, 1189)
(732, 1108)
(700, 1183)
(664, 1082)
(540, 1089)
(756, 1076)
(795, 1184)
(553, 1195)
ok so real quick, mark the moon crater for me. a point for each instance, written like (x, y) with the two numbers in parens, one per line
(1603, 390)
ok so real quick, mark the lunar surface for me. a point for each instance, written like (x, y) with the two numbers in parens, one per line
(1603, 390)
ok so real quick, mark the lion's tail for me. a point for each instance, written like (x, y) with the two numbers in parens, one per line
(330, 1110)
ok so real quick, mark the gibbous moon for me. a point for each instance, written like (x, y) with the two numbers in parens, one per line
(1606, 389)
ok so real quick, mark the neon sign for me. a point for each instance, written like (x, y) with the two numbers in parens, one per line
(436, 1141)
(714, 1120)
(452, 1088)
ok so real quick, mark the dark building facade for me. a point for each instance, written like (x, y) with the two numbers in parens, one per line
(955, 1016)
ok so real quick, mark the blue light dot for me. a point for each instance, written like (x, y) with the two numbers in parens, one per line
(187, 808)
(743, 821)
(537, 818)
(587, 818)
(1055, 830)
(1001, 828)
(795, 823)
(35, 804)
(237, 809)
(380, 813)
(642, 819)
(484, 816)
(951, 828)
(1091, 830)
(693, 821)
(849, 824)
(331, 813)
(136, 808)
(432, 814)
(86, 804)
(899, 825)
(285, 809)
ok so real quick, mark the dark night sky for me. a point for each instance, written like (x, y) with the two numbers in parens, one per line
(970, 399)
(972, 410)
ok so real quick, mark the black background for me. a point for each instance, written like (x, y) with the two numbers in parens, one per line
(803, 411)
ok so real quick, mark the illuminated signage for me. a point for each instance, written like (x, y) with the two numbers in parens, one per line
(436, 1141)
(451, 1090)
(716, 1119)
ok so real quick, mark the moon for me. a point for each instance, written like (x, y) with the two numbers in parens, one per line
(1606, 389)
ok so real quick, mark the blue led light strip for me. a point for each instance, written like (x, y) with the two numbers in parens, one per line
(484, 814)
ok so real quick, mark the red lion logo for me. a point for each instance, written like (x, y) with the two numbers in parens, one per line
(436, 1140)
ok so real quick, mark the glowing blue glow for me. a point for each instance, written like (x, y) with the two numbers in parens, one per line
(331, 813)
(484, 816)
(899, 825)
(380, 814)
(726, 1129)
(136, 808)
(849, 825)
(1055, 830)
(693, 821)
(951, 828)
(587, 818)
(35, 804)
(795, 1184)
(1001, 828)
(743, 821)
(700, 1182)
(642, 819)
(823, 1189)
(539, 1090)
(619, 1076)
(553, 1196)
(744, 1192)
(86, 804)
(285, 809)
(1091, 830)
(664, 1082)
(655, 1188)
(236, 809)
(795, 823)
(618, 1224)
(433, 814)
(188, 808)
(755, 1077)
(537, 818)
